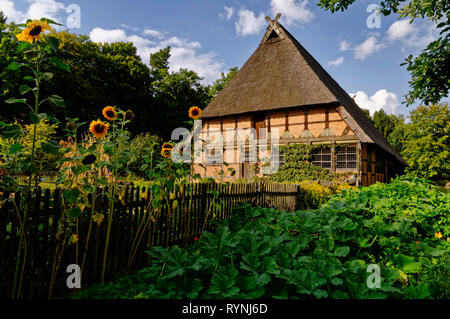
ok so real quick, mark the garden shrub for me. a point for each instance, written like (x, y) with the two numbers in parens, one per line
(402, 227)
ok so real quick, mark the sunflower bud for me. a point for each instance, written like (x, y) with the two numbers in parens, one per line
(129, 115)
(71, 126)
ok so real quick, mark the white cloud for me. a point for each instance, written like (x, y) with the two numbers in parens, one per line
(368, 47)
(336, 62)
(126, 26)
(153, 33)
(178, 42)
(102, 35)
(229, 11)
(412, 35)
(400, 29)
(183, 53)
(9, 9)
(37, 9)
(46, 8)
(248, 23)
(293, 11)
(344, 46)
(382, 99)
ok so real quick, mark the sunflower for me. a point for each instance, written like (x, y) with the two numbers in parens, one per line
(195, 112)
(166, 152)
(129, 115)
(109, 113)
(167, 146)
(33, 31)
(89, 159)
(438, 235)
(99, 129)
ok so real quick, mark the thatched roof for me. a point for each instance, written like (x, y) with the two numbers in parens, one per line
(281, 74)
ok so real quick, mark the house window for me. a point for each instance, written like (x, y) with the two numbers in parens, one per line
(346, 157)
(278, 158)
(214, 156)
(322, 157)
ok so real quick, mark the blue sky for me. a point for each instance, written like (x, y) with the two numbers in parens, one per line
(211, 36)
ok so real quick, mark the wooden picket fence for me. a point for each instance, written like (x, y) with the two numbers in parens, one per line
(178, 222)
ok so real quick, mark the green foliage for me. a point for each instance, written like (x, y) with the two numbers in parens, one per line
(264, 253)
(385, 123)
(219, 84)
(142, 147)
(18, 150)
(426, 144)
(160, 60)
(297, 165)
(429, 70)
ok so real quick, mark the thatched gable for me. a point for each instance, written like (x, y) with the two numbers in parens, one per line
(281, 74)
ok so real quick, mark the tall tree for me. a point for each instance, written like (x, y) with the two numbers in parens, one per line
(430, 71)
(219, 84)
(174, 93)
(426, 147)
(386, 123)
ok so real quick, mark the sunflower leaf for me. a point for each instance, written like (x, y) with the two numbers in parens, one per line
(12, 131)
(54, 42)
(59, 64)
(57, 101)
(51, 147)
(16, 101)
(24, 89)
(15, 65)
(23, 46)
(28, 78)
(49, 21)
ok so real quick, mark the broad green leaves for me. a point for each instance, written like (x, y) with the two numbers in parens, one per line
(59, 64)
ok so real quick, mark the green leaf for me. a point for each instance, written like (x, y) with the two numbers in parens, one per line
(23, 46)
(407, 264)
(59, 64)
(51, 147)
(74, 213)
(15, 65)
(54, 42)
(16, 101)
(49, 21)
(34, 118)
(341, 251)
(29, 78)
(320, 293)
(57, 101)
(53, 119)
(24, 89)
(337, 281)
(12, 131)
(72, 195)
(15, 148)
(47, 76)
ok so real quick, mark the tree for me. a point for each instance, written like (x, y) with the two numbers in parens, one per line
(427, 143)
(431, 69)
(160, 59)
(174, 93)
(386, 123)
(219, 84)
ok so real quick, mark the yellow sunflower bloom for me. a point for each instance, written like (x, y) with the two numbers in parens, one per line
(99, 129)
(438, 235)
(167, 145)
(195, 112)
(109, 113)
(34, 31)
(166, 152)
